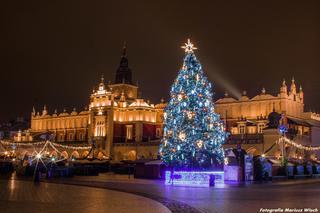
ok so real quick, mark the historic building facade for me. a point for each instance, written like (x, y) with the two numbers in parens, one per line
(250, 120)
(125, 126)
(119, 123)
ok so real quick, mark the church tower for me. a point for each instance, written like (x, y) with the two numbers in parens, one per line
(123, 84)
(101, 119)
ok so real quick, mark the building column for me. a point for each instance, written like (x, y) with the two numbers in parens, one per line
(138, 132)
(109, 134)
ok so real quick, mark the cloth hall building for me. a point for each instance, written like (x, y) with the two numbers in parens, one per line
(121, 124)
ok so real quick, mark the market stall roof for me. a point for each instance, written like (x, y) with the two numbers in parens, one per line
(276, 162)
(298, 121)
(154, 162)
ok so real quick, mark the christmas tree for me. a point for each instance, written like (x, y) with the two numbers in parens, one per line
(193, 132)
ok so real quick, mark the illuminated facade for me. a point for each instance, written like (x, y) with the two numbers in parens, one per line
(122, 125)
(248, 120)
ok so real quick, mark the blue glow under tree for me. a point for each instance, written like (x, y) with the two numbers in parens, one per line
(193, 132)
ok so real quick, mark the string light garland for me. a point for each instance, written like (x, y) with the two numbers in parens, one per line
(21, 144)
(44, 142)
(299, 146)
(71, 147)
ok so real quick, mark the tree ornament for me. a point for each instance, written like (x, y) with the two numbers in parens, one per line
(197, 77)
(190, 115)
(199, 143)
(182, 136)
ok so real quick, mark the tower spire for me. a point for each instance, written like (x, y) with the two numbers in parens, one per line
(124, 49)
(102, 78)
(123, 74)
(33, 111)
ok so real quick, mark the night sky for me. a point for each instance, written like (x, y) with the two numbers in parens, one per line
(54, 52)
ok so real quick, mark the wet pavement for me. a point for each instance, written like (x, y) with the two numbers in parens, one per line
(27, 196)
(118, 193)
(224, 199)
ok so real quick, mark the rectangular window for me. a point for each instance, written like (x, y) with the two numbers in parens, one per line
(242, 129)
(260, 128)
(80, 136)
(70, 137)
(158, 132)
(129, 132)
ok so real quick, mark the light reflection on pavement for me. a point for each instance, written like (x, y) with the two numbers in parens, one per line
(27, 196)
(228, 198)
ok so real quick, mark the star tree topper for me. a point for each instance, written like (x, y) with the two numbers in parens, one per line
(189, 47)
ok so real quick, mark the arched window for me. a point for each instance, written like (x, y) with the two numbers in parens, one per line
(80, 136)
(100, 128)
(70, 136)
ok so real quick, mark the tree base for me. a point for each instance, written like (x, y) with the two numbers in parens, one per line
(194, 178)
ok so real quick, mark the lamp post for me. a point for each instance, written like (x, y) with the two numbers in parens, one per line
(283, 129)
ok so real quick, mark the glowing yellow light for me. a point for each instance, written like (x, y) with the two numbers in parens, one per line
(189, 47)
(182, 136)
(263, 155)
(226, 161)
(190, 115)
(38, 156)
(199, 143)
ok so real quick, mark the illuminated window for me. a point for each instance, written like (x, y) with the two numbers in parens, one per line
(129, 132)
(158, 132)
(242, 129)
(260, 128)
(100, 129)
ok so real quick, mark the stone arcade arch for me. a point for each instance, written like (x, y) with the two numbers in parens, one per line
(75, 154)
(85, 154)
(100, 155)
(132, 155)
(65, 155)
(54, 154)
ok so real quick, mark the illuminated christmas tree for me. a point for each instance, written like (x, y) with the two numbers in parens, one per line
(193, 132)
